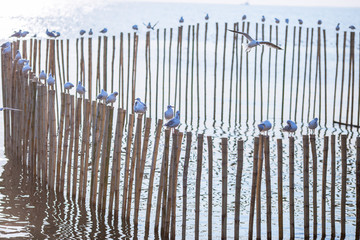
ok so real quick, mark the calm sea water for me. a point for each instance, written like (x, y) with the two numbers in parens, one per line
(27, 211)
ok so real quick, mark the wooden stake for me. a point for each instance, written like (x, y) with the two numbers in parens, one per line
(253, 188)
(210, 185)
(314, 157)
(258, 187)
(323, 192)
(306, 186)
(198, 181)
(343, 185)
(185, 177)
(292, 187)
(333, 177)
(239, 170)
(280, 188)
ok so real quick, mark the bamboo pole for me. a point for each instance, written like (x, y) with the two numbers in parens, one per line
(210, 185)
(284, 68)
(197, 72)
(276, 69)
(310, 60)
(268, 186)
(163, 73)
(357, 233)
(298, 75)
(215, 67)
(280, 188)
(323, 192)
(60, 139)
(325, 78)
(157, 71)
(198, 182)
(98, 66)
(126, 167)
(66, 141)
(223, 75)
(224, 144)
(128, 72)
(133, 79)
(89, 68)
(342, 77)
(152, 172)
(253, 187)
(121, 71)
(292, 187)
(76, 146)
(333, 177)
(112, 64)
(258, 186)
(306, 186)
(205, 40)
(169, 83)
(52, 136)
(192, 72)
(292, 70)
(247, 77)
(305, 67)
(67, 60)
(71, 144)
(232, 70)
(185, 178)
(314, 166)
(105, 63)
(343, 185)
(239, 170)
(261, 71)
(255, 66)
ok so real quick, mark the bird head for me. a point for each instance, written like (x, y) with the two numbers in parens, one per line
(169, 106)
(288, 122)
(316, 119)
(116, 93)
(138, 99)
(178, 113)
(79, 82)
(261, 127)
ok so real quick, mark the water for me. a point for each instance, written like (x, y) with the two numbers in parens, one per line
(27, 211)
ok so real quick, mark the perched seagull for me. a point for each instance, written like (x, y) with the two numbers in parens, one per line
(82, 32)
(11, 109)
(68, 86)
(300, 21)
(352, 27)
(23, 34)
(51, 81)
(286, 20)
(139, 106)
(313, 124)
(244, 17)
(50, 34)
(181, 20)
(103, 95)
(319, 22)
(80, 88)
(5, 45)
(21, 62)
(277, 20)
(16, 34)
(337, 27)
(253, 43)
(173, 123)
(26, 68)
(265, 126)
(34, 36)
(42, 75)
(17, 56)
(90, 31)
(57, 34)
(169, 113)
(135, 27)
(290, 127)
(104, 30)
(207, 17)
(111, 98)
(6, 50)
(263, 18)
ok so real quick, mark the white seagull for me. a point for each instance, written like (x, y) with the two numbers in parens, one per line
(51, 81)
(139, 107)
(263, 18)
(82, 32)
(111, 98)
(80, 89)
(207, 17)
(277, 20)
(173, 123)
(26, 68)
(90, 31)
(253, 43)
(352, 27)
(313, 124)
(290, 127)
(16, 34)
(42, 75)
(286, 20)
(265, 126)
(18, 55)
(6, 50)
(300, 21)
(181, 20)
(11, 109)
(21, 62)
(68, 86)
(104, 30)
(243, 17)
(169, 113)
(50, 34)
(103, 95)
(337, 27)
(319, 22)
(5, 45)
(135, 27)
(24, 33)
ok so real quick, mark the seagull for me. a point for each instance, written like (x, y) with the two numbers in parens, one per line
(207, 17)
(244, 17)
(111, 98)
(18, 55)
(337, 27)
(290, 127)
(263, 18)
(181, 20)
(26, 68)
(5, 45)
(139, 106)
(253, 43)
(104, 30)
(6, 50)
(57, 34)
(319, 22)
(82, 32)
(277, 20)
(149, 25)
(11, 109)
(287, 20)
(50, 34)
(173, 123)
(42, 75)
(300, 21)
(23, 34)
(34, 36)
(51, 81)
(313, 124)
(90, 31)
(80, 88)
(103, 95)
(352, 27)
(16, 34)
(135, 27)
(21, 62)
(68, 86)
(169, 113)
(265, 126)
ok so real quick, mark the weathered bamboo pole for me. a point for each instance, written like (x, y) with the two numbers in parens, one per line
(342, 78)
(215, 67)
(157, 70)
(52, 138)
(112, 64)
(185, 177)
(284, 76)
(325, 77)
(310, 61)
(255, 67)
(332, 191)
(292, 71)
(298, 75)
(261, 71)
(276, 68)
(291, 187)
(210, 185)
(98, 66)
(323, 191)
(314, 167)
(223, 75)
(268, 186)
(224, 173)
(197, 72)
(357, 232)
(231, 71)
(60, 139)
(343, 185)
(89, 68)
(169, 83)
(205, 41)
(247, 77)
(239, 170)
(128, 72)
(306, 186)
(66, 142)
(76, 146)
(280, 188)
(192, 72)
(198, 182)
(305, 67)
(163, 73)
(105, 63)
(258, 186)
(133, 78)
(71, 144)
(253, 188)
(121, 71)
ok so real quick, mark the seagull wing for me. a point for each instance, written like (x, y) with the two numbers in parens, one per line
(155, 24)
(12, 109)
(245, 34)
(269, 44)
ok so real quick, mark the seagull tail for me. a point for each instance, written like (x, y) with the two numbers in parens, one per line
(246, 47)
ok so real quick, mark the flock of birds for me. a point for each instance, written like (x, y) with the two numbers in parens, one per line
(55, 34)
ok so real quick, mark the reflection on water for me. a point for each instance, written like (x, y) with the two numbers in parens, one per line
(28, 210)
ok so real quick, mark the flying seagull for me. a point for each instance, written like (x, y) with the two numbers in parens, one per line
(253, 43)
